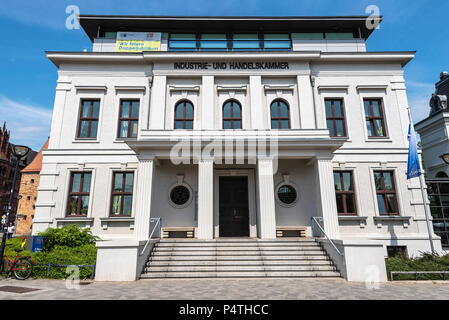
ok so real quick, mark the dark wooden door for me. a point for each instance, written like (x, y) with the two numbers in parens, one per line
(234, 210)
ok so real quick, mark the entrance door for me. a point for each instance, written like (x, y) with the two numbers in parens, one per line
(233, 207)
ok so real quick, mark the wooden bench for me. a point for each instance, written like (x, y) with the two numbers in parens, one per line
(291, 231)
(178, 232)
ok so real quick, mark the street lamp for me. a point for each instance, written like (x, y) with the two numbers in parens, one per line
(19, 152)
(445, 157)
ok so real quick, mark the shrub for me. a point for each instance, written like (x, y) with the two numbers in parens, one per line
(82, 255)
(69, 245)
(67, 236)
(427, 262)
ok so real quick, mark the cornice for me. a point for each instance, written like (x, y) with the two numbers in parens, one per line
(59, 58)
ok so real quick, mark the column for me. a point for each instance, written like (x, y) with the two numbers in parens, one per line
(267, 213)
(207, 103)
(306, 104)
(143, 198)
(157, 107)
(327, 204)
(257, 112)
(205, 199)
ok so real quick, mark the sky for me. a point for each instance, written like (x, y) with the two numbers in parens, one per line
(30, 27)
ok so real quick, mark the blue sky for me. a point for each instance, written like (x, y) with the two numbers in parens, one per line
(28, 79)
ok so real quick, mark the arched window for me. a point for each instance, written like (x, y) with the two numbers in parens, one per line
(184, 115)
(280, 115)
(441, 174)
(232, 115)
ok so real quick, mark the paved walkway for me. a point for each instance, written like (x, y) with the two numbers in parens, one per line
(207, 289)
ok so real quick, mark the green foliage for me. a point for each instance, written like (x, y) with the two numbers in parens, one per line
(68, 245)
(82, 255)
(67, 236)
(426, 262)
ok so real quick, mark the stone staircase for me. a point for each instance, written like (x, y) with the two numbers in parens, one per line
(238, 258)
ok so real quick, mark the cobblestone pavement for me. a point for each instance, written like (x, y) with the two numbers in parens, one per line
(207, 289)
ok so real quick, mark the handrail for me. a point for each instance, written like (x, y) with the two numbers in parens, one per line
(315, 219)
(158, 221)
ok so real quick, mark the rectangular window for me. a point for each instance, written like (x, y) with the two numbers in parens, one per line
(438, 193)
(88, 119)
(182, 42)
(335, 117)
(374, 116)
(122, 193)
(128, 118)
(213, 42)
(78, 202)
(344, 193)
(246, 42)
(277, 42)
(386, 193)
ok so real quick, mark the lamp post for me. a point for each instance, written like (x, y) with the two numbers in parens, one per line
(19, 152)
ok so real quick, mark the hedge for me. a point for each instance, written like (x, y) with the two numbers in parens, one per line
(68, 245)
(425, 263)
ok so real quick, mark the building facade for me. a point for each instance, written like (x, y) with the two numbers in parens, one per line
(232, 127)
(435, 143)
(28, 190)
(7, 167)
(434, 130)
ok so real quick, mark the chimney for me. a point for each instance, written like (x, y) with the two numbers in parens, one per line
(444, 75)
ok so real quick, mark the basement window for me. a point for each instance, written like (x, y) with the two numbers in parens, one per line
(394, 251)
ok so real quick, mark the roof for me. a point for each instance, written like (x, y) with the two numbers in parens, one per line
(92, 24)
(36, 164)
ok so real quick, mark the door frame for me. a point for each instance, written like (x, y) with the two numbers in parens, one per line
(251, 198)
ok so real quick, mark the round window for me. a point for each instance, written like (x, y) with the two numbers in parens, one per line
(287, 194)
(180, 195)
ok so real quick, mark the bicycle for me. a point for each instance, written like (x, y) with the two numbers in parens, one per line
(20, 267)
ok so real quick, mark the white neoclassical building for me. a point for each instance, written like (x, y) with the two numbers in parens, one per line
(232, 127)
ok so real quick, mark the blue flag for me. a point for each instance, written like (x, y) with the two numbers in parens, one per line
(413, 167)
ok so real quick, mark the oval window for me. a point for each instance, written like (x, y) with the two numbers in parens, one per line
(180, 195)
(287, 194)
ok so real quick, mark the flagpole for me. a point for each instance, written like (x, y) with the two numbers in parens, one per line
(424, 199)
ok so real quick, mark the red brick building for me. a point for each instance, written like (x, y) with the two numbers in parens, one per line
(28, 191)
(7, 166)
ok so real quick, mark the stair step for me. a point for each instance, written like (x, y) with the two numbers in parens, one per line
(239, 253)
(168, 257)
(238, 240)
(241, 248)
(238, 258)
(237, 244)
(248, 274)
(237, 268)
(167, 263)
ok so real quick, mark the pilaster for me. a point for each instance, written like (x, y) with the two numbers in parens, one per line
(205, 199)
(267, 214)
(327, 204)
(145, 175)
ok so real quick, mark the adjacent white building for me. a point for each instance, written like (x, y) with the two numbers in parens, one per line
(232, 127)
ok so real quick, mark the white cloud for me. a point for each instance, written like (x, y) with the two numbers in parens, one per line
(29, 124)
(419, 94)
